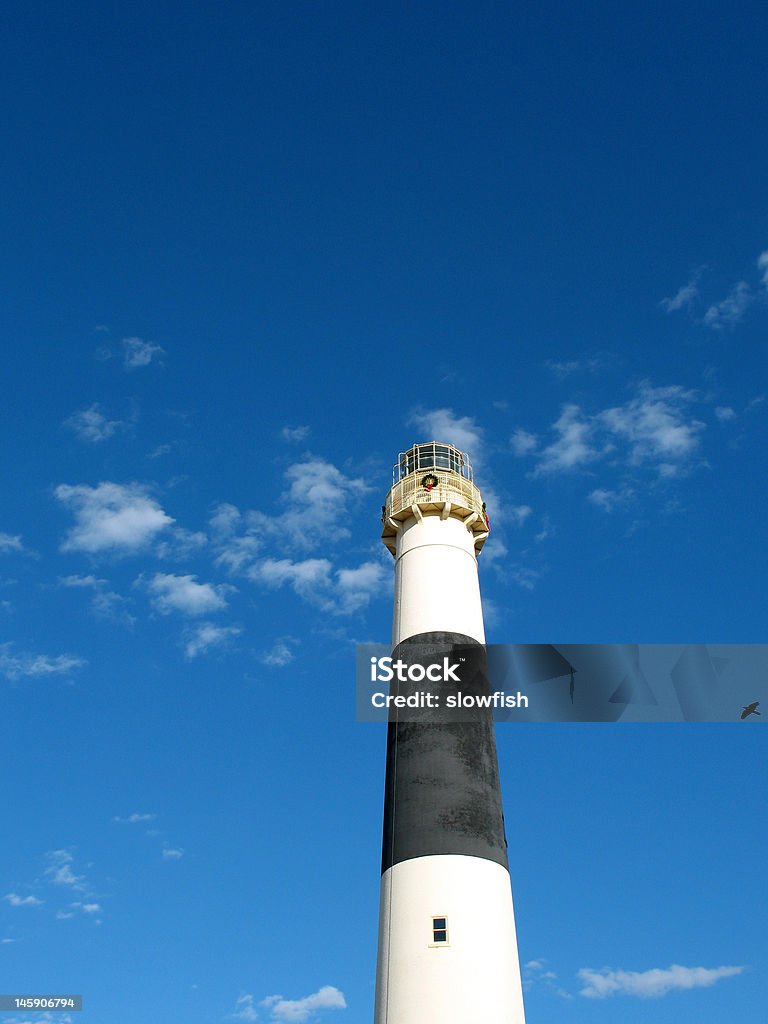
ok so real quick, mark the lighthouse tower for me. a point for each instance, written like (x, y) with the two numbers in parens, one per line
(447, 942)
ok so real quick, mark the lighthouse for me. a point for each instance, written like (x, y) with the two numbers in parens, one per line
(447, 942)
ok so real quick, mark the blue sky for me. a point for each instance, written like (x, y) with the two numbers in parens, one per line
(250, 252)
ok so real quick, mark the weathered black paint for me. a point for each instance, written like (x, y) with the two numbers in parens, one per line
(442, 793)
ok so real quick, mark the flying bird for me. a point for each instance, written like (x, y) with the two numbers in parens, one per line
(750, 709)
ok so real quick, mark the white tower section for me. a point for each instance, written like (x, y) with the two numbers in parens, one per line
(447, 941)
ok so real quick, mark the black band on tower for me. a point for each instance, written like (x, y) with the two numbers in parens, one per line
(442, 793)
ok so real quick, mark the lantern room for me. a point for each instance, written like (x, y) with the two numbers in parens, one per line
(433, 479)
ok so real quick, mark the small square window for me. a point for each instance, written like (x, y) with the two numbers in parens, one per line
(439, 930)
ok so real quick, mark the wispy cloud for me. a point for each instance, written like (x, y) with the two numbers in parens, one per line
(523, 442)
(445, 426)
(237, 538)
(59, 870)
(172, 853)
(650, 984)
(317, 490)
(20, 665)
(762, 266)
(10, 542)
(137, 353)
(356, 587)
(609, 500)
(686, 296)
(730, 311)
(280, 654)
(179, 544)
(41, 1018)
(518, 514)
(244, 1008)
(92, 425)
(654, 428)
(538, 973)
(573, 446)
(308, 517)
(105, 603)
(295, 1011)
(294, 435)
(725, 413)
(22, 901)
(170, 593)
(341, 591)
(566, 368)
(117, 518)
(207, 635)
(134, 819)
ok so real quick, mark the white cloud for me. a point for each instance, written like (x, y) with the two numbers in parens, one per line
(655, 426)
(309, 578)
(566, 368)
(357, 586)
(208, 635)
(91, 908)
(299, 1010)
(731, 309)
(563, 369)
(225, 520)
(342, 592)
(310, 508)
(650, 984)
(184, 594)
(523, 443)
(15, 666)
(537, 973)
(181, 544)
(280, 654)
(308, 514)
(445, 426)
(245, 1010)
(41, 1018)
(22, 901)
(762, 265)
(519, 513)
(10, 542)
(134, 818)
(725, 413)
(111, 517)
(684, 297)
(59, 870)
(608, 500)
(105, 603)
(525, 578)
(92, 425)
(295, 435)
(573, 447)
(237, 538)
(236, 553)
(138, 353)
(547, 530)
(172, 853)
(89, 582)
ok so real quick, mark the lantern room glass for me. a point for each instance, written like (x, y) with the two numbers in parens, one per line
(432, 456)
